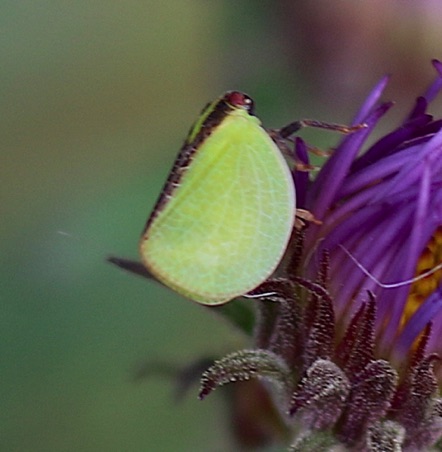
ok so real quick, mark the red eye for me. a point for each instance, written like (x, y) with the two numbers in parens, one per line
(237, 99)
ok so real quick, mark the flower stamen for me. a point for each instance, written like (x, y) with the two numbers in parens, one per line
(422, 288)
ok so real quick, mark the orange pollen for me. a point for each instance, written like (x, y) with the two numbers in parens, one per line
(422, 289)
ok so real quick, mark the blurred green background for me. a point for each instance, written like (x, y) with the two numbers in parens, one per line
(96, 98)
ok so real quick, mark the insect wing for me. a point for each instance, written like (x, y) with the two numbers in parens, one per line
(226, 226)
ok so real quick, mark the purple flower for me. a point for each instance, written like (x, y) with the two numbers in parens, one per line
(350, 347)
(384, 207)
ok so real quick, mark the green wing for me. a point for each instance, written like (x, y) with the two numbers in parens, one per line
(227, 225)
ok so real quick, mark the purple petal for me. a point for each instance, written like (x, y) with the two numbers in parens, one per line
(387, 167)
(336, 168)
(389, 144)
(436, 86)
(414, 250)
(371, 100)
(419, 109)
(429, 311)
(435, 342)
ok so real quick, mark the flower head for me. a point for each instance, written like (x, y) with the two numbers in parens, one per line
(349, 334)
(385, 208)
